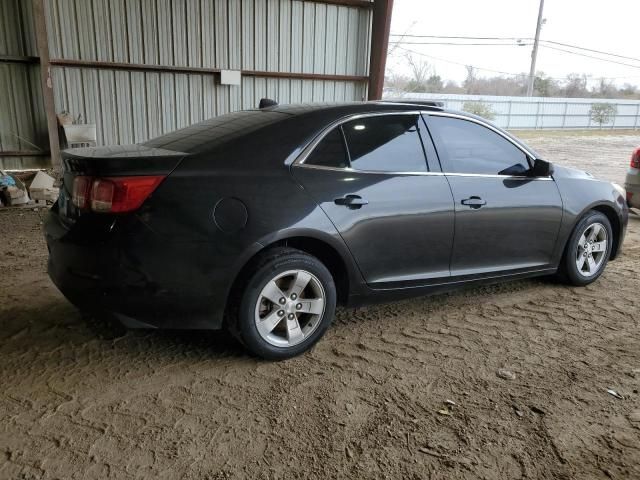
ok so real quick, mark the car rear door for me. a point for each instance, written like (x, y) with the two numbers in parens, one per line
(503, 222)
(381, 187)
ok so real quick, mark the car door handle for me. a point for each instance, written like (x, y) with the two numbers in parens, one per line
(474, 202)
(351, 201)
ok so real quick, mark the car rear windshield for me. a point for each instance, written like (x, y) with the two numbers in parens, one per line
(207, 135)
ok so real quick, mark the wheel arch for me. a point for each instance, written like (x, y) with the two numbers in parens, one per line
(324, 247)
(616, 225)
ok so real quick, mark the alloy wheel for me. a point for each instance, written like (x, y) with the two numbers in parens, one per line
(290, 308)
(591, 250)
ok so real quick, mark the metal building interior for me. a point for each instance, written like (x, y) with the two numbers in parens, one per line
(136, 69)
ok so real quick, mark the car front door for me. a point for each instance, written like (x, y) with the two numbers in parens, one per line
(503, 222)
(371, 176)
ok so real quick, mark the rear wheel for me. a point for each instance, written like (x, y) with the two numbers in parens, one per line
(287, 304)
(588, 249)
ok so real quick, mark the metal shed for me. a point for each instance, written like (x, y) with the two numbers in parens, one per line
(140, 68)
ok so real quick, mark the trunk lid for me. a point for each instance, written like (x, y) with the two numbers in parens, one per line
(111, 161)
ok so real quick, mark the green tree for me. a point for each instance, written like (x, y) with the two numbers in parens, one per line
(544, 86)
(481, 109)
(602, 113)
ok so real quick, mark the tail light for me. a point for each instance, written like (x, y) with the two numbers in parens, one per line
(81, 192)
(113, 194)
(635, 159)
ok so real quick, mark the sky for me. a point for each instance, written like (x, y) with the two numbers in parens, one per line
(612, 26)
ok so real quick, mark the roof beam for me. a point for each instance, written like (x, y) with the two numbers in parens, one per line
(59, 62)
(380, 27)
(18, 59)
(345, 3)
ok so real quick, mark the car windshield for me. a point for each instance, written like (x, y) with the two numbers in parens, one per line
(205, 136)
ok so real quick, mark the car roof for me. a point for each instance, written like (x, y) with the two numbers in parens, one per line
(345, 108)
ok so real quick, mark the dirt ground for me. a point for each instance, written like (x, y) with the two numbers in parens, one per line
(81, 399)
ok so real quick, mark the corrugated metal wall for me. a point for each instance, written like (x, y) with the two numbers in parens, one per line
(255, 35)
(22, 121)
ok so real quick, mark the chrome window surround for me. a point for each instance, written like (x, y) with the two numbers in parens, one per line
(299, 161)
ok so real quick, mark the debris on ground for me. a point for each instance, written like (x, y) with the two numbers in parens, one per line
(613, 393)
(42, 188)
(506, 374)
(348, 452)
(12, 190)
(537, 410)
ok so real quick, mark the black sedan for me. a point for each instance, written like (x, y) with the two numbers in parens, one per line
(262, 221)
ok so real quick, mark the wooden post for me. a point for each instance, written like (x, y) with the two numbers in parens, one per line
(381, 26)
(45, 80)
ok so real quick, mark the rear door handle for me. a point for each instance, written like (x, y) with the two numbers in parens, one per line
(351, 201)
(474, 202)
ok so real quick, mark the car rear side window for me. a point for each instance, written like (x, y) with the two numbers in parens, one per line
(385, 143)
(467, 147)
(330, 152)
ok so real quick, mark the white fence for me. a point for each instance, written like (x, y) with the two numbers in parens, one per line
(539, 112)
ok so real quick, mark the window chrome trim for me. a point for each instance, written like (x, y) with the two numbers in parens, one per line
(299, 161)
(355, 170)
(489, 175)
(432, 174)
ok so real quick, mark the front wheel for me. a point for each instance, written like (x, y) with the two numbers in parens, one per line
(588, 249)
(287, 305)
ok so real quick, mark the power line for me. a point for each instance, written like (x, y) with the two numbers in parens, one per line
(522, 74)
(591, 50)
(462, 64)
(590, 56)
(460, 43)
(461, 37)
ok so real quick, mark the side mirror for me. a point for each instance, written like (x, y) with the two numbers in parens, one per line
(541, 168)
(517, 170)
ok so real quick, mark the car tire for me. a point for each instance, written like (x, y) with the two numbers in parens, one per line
(581, 263)
(286, 302)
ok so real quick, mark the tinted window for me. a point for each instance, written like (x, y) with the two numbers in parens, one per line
(385, 143)
(330, 152)
(216, 131)
(466, 147)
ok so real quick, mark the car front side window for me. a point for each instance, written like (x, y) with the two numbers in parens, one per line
(470, 148)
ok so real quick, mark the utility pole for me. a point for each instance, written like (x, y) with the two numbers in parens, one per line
(534, 53)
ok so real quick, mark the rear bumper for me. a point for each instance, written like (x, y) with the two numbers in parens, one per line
(632, 186)
(130, 278)
(633, 194)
